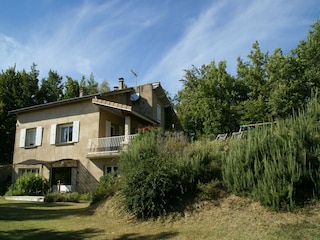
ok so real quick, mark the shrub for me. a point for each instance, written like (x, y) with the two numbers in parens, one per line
(158, 172)
(107, 187)
(150, 176)
(278, 165)
(67, 197)
(210, 190)
(29, 184)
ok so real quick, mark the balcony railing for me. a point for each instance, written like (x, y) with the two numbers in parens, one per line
(108, 144)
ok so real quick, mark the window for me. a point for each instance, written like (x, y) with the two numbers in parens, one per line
(61, 175)
(22, 171)
(65, 133)
(110, 169)
(158, 113)
(30, 137)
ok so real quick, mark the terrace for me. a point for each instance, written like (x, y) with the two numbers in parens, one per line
(107, 146)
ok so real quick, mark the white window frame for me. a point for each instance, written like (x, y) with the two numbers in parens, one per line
(22, 171)
(65, 133)
(30, 137)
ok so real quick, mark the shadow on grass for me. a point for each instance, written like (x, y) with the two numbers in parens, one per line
(21, 211)
(131, 236)
(299, 231)
(44, 234)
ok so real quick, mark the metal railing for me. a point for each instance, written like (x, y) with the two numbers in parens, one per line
(108, 144)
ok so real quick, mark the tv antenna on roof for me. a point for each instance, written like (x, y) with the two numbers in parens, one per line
(134, 74)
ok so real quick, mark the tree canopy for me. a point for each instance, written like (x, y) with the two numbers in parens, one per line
(265, 87)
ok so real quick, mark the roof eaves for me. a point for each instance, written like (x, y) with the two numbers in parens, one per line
(51, 104)
(122, 107)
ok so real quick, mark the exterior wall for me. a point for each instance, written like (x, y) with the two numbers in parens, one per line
(87, 114)
(92, 120)
(144, 105)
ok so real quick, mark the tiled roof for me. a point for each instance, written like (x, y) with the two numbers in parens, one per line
(112, 104)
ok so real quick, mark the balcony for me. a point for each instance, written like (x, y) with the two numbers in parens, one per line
(107, 146)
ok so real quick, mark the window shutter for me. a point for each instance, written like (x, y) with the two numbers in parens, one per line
(75, 131)
(22, 142)
(53, 134)
(38, 136)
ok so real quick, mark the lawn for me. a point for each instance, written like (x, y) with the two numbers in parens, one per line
(228, 218)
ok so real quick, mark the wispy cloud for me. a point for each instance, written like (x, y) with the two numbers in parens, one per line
(227, 30)
(158, 40)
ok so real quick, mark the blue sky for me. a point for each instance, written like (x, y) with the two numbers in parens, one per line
(156, 39)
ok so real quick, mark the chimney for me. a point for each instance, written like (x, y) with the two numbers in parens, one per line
(121, 81)
(81, 92)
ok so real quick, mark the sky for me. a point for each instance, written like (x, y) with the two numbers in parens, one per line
(157, 40)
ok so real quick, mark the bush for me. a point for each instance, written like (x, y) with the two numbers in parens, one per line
(107, 187)
(67, 197)
(278, 165)
(158, 172)
(29, 184)
(149, 175)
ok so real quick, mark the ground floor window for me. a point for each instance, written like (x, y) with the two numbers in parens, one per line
(110, 169)
(61, 175)
(22, 171)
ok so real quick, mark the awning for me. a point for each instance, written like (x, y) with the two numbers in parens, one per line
(52, 164)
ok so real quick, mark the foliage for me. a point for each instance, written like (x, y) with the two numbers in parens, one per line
(72, 88)
(278, 165)
(29, 184)
(104, 86)
(265, 87)
(67, 197)
(205, 105)
(17, 90)
(158, 172)
(107, 187)
(51, 88)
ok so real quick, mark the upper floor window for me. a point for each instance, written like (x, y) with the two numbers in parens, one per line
(158, 113)
(65, 133)
(30, 137)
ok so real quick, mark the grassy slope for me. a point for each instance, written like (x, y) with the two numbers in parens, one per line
(229, 218)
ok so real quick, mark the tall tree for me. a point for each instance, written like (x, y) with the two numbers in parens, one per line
(17, 90)
(104, 86)
(89, 86)
(253, 74)
(51, 88)
(307, 55)
(71, 88)
(92, 85)
(205, 105)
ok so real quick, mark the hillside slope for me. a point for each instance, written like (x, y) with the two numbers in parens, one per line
(229, 218)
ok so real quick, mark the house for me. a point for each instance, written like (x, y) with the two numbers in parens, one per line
(74, 142)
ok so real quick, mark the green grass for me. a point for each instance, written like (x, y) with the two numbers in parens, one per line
(228, 218)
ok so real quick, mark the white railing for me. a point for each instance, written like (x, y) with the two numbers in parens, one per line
(108, 144)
